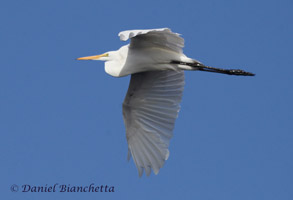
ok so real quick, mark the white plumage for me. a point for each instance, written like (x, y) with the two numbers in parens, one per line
(150, 109)
(155, 60)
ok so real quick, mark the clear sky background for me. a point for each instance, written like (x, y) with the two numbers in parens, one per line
(61, 119)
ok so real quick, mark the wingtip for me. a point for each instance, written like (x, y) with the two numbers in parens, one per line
(156, 172)
(167, 154)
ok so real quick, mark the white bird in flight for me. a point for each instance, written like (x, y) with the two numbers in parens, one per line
(156, 62)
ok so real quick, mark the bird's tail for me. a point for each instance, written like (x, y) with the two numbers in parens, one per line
(200, 67)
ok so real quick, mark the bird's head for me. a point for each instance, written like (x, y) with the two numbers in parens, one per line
(104, 57)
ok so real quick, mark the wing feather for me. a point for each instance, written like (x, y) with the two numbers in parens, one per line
(162, 38)
(150, 109)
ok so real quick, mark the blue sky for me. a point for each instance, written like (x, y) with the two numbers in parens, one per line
(61, 119)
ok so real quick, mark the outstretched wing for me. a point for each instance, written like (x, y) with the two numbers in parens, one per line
(150, 109)
(160, 38)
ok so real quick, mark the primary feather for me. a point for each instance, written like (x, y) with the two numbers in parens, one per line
(150, 109)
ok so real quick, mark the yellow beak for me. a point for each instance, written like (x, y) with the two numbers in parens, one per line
(96, 57)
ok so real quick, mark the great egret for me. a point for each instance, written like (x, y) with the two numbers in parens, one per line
(156, 62)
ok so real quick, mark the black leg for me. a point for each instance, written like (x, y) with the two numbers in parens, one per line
(201, 67)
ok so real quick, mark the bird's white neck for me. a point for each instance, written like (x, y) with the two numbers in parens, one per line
(115, 61)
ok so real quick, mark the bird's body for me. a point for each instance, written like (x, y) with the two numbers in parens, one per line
(156, 63)
(150, 59)
(146, 52)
